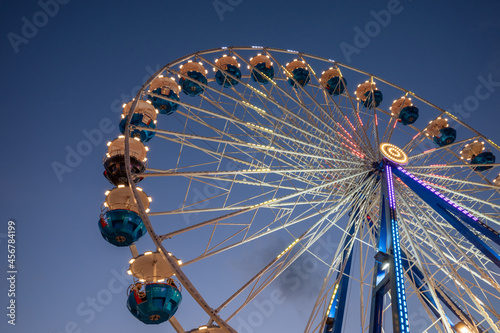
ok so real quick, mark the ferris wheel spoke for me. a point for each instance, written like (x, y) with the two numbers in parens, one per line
(342, 147)
(448, 267)
(436, 227)
(363, 138)
(239, 210)
(487, 208)
(359, 210)
(268, 229)
(334, 206)
(248, 180)
(242, 99)
(431, 152)
(258, 147)
(458, 244)
(335, 132)
(415, 249)
(306, 240)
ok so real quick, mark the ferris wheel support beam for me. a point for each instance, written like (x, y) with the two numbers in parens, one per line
(449, 211)
(335, 317)
(389, 256)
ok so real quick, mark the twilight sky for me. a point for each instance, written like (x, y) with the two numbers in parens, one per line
(66, 73)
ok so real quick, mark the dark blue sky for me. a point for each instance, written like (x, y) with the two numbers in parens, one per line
(72, 72)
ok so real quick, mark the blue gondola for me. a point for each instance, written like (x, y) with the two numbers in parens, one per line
(448, 136)
(121, 227)
(336, 85)
(137, 120)
(224, 80)
(163, 106)
(157, 305)
(483, 158)
(300, 76)
(191, 87)
(408, 115)
(373, 98)
(267, 71)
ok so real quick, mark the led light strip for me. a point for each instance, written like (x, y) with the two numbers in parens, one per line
(402, 306)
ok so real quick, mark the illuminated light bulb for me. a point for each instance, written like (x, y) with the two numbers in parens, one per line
(148, 253)
(121, 185)
(129, 272)
(109, 143)
(131, 261)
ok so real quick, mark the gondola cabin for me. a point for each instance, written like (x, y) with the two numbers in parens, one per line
(196, 74)
(114, 161)
(369, 95)
(227, 71)
(121, 224)
(144, 116)
(263, 70)
(403, 109)
(298, 73)
(333, 81)
(166, 93)
(156, 304)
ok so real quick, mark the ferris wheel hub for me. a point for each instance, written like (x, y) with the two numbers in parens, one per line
(393, 153)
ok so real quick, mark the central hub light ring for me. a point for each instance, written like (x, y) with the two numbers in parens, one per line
(393, 153)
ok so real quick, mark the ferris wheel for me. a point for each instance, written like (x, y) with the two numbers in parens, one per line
(255, 145)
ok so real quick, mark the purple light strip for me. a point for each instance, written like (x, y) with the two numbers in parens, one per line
(392, 202)
(438, 194)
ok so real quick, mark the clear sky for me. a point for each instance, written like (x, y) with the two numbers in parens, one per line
(67, 72)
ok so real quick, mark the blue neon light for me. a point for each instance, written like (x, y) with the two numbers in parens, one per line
(402, 306)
